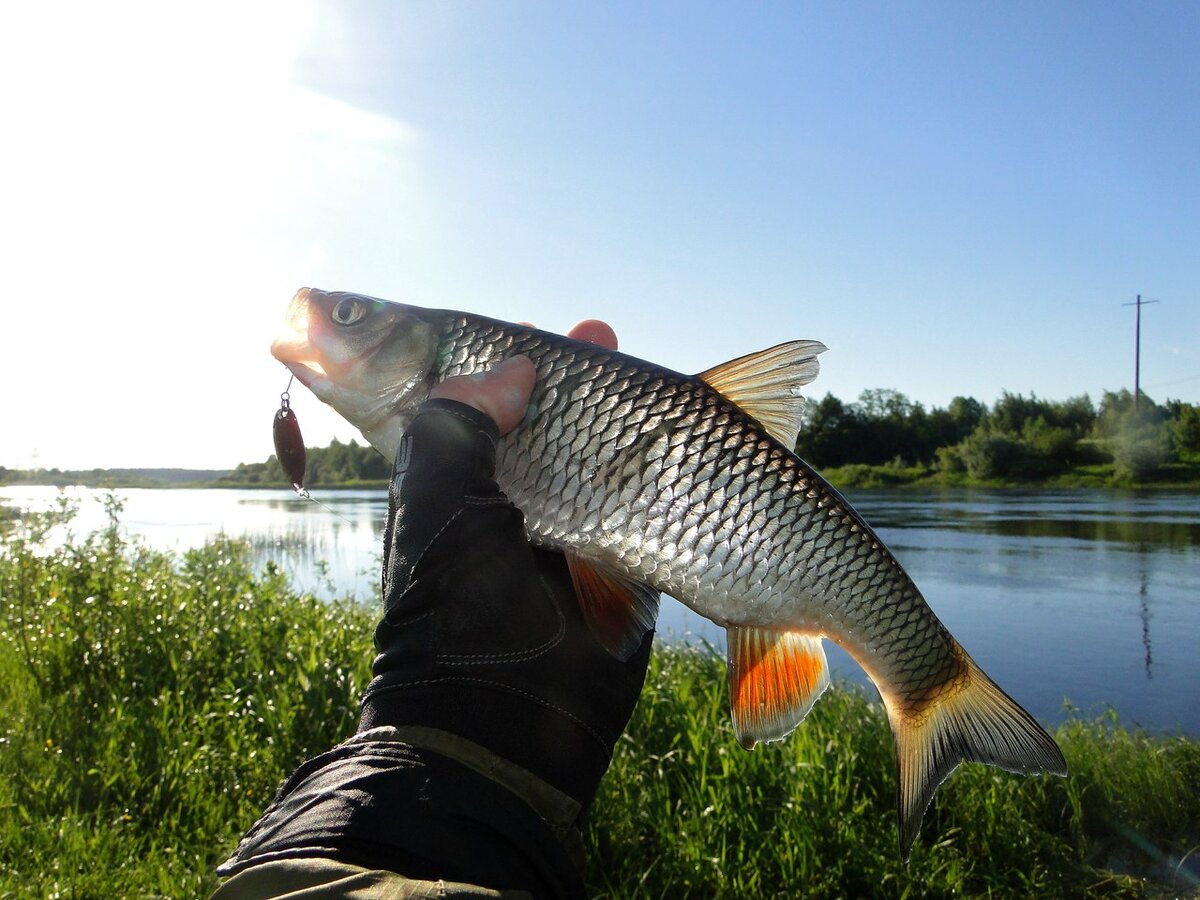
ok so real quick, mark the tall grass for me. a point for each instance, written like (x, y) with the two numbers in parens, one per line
(150, 704)
(684, 811)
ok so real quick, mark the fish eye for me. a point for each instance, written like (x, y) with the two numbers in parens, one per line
(349, 311)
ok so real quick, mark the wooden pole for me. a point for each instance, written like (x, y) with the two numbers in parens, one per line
(1137, 350)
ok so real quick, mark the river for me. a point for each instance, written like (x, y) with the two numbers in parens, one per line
(1088, 597)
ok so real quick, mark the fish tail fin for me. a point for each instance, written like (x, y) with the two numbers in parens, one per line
(971, 720)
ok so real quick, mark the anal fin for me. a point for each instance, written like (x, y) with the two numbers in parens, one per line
(618, 610)
(774, 679)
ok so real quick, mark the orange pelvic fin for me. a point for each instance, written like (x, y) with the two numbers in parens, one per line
(774, 679)
(618, 610)
(971, 719)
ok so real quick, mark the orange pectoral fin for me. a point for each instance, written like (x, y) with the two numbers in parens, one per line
(774, 679)
(618, 610)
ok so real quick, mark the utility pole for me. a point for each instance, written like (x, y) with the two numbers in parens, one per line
(1137, 349)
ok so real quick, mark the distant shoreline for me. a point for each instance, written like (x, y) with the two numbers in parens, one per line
(1182, 477)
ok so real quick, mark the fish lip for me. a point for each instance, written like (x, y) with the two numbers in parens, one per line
(307, 373)
(293, 346)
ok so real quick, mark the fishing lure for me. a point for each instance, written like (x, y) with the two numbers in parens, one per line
(289, 443)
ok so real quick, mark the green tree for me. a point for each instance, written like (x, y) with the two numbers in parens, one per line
(826, 437)
(1185, 429)
(966, 413)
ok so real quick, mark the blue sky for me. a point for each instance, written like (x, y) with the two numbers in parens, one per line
(957, 198)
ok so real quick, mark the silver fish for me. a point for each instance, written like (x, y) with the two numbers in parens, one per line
(652, 481)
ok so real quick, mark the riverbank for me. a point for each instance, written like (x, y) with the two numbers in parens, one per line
(1171, 476)
(131, 757)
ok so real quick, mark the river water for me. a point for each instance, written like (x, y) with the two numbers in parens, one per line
(1090, 598)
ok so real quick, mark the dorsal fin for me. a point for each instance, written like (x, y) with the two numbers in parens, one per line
(774, 679)
(767, 385)
(619, 611)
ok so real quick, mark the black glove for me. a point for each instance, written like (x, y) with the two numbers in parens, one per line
(504, 709)
(482, 635)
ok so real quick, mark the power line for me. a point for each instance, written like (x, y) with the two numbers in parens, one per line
(1137, 349)
(1160, 384)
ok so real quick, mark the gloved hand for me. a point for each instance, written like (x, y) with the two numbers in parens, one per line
(499, 709)
(482, 637)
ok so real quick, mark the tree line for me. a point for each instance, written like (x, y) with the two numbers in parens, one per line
(336, 464)
(1018, 438)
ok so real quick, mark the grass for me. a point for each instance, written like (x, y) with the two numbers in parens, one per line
(150, 704)
(684, 811)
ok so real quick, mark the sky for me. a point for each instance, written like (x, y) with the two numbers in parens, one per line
(958, 198)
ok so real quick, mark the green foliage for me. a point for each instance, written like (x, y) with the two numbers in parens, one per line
(889, 474)
(1024, 438)
(949, 460)
(1185, 429)
(151, 704)
(324, 466)
(113, 478)
(1020, 439)
(1054, 444)
(988, 454)
(882, 426)
(1140, 438)
(685, 812)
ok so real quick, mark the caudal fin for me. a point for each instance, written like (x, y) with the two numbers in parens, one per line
(974, 721)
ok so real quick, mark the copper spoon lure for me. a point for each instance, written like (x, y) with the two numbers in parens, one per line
(289, 448)
(289, 443)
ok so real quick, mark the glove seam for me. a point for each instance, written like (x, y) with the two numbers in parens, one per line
(499, 500)
(420, 556)
(404, 623)
(466, 659)
(450, 411)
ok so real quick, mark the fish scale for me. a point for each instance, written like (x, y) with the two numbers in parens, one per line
(646, 477)
(901, 639)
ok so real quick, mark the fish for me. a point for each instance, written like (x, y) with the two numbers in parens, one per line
(654, 482)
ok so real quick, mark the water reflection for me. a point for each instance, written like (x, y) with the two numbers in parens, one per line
(1167, 519)
(1144, 609)
(332, 550)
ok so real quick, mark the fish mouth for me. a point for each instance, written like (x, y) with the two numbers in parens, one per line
(307, 373)
(293, 347)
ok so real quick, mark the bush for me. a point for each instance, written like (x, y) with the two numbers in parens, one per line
(1139, 453)
(1051, 445)
(987, 454)
(949, 460)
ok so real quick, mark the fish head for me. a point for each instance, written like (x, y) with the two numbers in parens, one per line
(371, 360)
